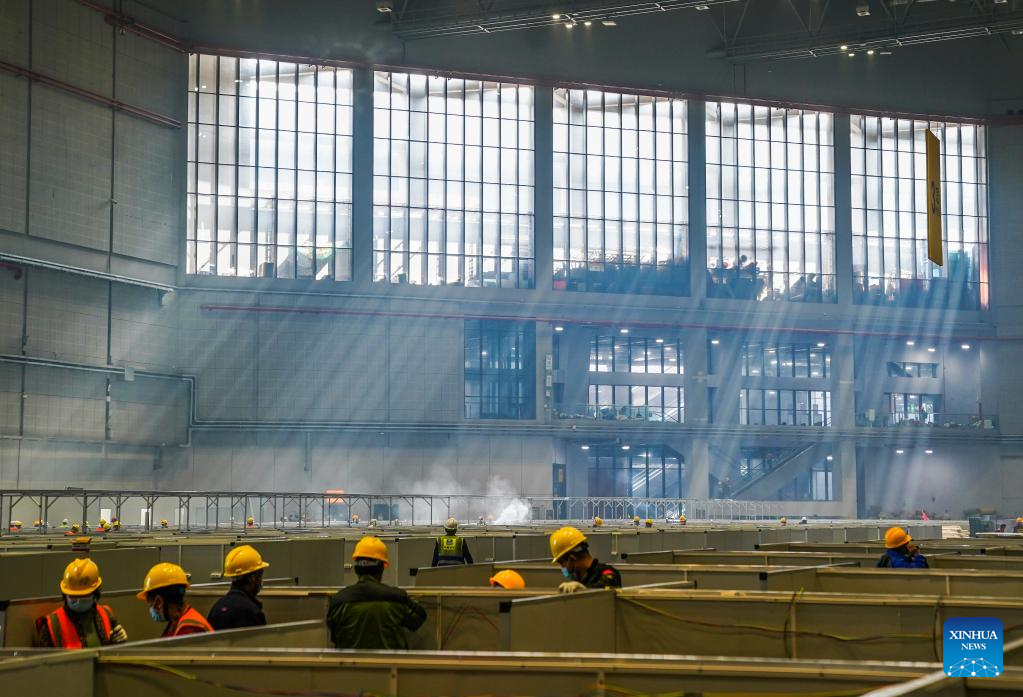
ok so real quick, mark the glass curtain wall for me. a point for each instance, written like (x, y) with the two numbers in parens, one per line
(453, 181)
(624, 354)
(889, 214)
(637, 403)
(500, 370)
(785, 360)
(770, 203)
(758, 407)
(269, 179)
(621, 208)
(642, 471)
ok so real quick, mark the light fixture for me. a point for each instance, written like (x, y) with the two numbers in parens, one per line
(659, 341)
(483, 353)
(829, 458)
(202, 86)
(624, 330)
(843, 47)
(886, 53)
(965, 347)
(587, 23)
(862, 10)
(851, 54)
(931, 349)
(910, 343)
(929, 451)
(556, 15)
(558, 328)
(237, 81)
(715, 341)
(626, 447)
(569, 25)
(702, 8)
(1017, 32)
(899, 451)
(870, 51)
(585, 447)
(609, 22)
(821, 344)
(385, 6)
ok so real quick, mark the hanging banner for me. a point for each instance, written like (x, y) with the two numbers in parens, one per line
(934, 249)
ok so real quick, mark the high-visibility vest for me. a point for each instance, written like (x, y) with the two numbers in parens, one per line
(64, 634)
(449, 550)
(191, 619)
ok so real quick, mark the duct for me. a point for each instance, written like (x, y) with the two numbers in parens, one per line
(13, 259)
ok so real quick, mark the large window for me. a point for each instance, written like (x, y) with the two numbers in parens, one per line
(770, 203)
(269, 184)
(640, 471)
(623, 354)
(898, 369)
(785, 360)
(636, 403)
(621, 207)
(784, 407)
(889, 214)
(916, 408)
(500, 369)
(453, 181)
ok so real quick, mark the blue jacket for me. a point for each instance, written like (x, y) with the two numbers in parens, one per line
(898, 559)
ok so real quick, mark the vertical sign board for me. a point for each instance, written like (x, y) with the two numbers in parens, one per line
(934, 250)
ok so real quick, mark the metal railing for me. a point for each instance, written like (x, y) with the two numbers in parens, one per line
(215, 510)
(929, 420)
(594, 412)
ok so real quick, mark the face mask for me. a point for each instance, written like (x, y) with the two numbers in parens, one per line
(81, 604)
(566, 573)
(156, 615)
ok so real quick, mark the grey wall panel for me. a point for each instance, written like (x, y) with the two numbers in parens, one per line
(14, 146)
(73, 43)
(67, 318)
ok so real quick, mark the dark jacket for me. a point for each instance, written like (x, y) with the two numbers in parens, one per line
(901, 559)
(236, 610)
(450, 550)
(371, 615)
(602, 576)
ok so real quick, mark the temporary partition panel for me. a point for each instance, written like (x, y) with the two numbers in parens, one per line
(897, 582)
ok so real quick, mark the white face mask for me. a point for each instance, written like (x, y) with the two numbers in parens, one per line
(80, 605)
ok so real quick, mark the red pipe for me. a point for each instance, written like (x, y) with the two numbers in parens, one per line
(270, 309)
(13, 268)
(128, 23)
(91, 96)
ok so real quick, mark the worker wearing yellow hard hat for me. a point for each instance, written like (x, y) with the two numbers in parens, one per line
(164, 591)
(783, 521)
(1018, 527)
(80, 622)
(508, 578)
(681, 520)
(648, 523)
(370, 614)
(635, 520)
(597, 521)
(16, 526)
(900, 552)
(250, 522)
(571, 551)
(241, 607)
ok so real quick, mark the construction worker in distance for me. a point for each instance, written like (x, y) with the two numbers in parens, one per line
(370, 614)
(649, 523)
(681, 520)
(103, 526)
(1018, 527)
(64, 523)
(783, 521)
(597, 521)
(115, 524)
(507, 579)
(570, 550)
(450, 549)
(73, 531)
(900, 553)
(16, 526)
(250, 522)
(635, 520)
(80, 622)
(164, 523)
(164, 592)
(803, 521)
(241, 606)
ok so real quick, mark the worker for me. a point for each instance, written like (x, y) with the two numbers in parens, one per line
(164, 592)
(803, 521)
(449, 549)
(681, 520)
(597, 521)
(635, 520)
(80, 622)
(164, 523)
(103, 526)
(64, 523)
(508, 579)
(355, 519)
(250, 522)
(1018, 527)
(370, 614)
(73, 531)
(570, 550)
(115, 524)
(16, 526)
(900, 553)
(241, 606)
(783, 521)
(649, 523)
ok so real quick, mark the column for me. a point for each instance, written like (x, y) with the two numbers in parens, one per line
(697, 199)
(543, 179)
(843, 211)
(698, 468)
(362, 178)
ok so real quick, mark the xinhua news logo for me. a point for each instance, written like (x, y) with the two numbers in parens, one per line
(972, 647)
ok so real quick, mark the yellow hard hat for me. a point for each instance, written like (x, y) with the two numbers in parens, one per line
(508, 579)
(164, 523)
(1019, 520)
(565, 540)
(682, 518)
(16, 523)
(635, 519)
(162, 575)
(76, 527)
(102, 522)
(598, 521)
(371, 547)
(783, 520)
(649, 523)
(250, 519)
(896, 537)
(243, 560)
(81, 577)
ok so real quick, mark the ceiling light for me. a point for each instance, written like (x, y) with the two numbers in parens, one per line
(910, 343)
(870, 52)
(931, 349)
(899, 451)
(843, 47)
(702, 8)
(625, 447)
(1017, 32)
(829, 458)
(659, 341)
(585, 447)
(385, 6)
(569, 25)
(609, 22)
(556, 15)
(851, 54)
(929, 451)
(965, 347)
(1001, 2)
(886, 53)
(863, 10)
(202, 86)
(483, 352)
(715, 341)
(624, 330)
(558, 328)
(237, 81)
(587, 23)
(821, 344)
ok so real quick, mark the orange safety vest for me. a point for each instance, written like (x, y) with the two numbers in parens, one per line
(191, 622)
(64, 634)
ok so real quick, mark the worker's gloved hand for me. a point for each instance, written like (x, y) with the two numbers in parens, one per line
(571, 587)
(118, 635)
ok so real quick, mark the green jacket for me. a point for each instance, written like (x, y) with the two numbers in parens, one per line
(371, 615)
